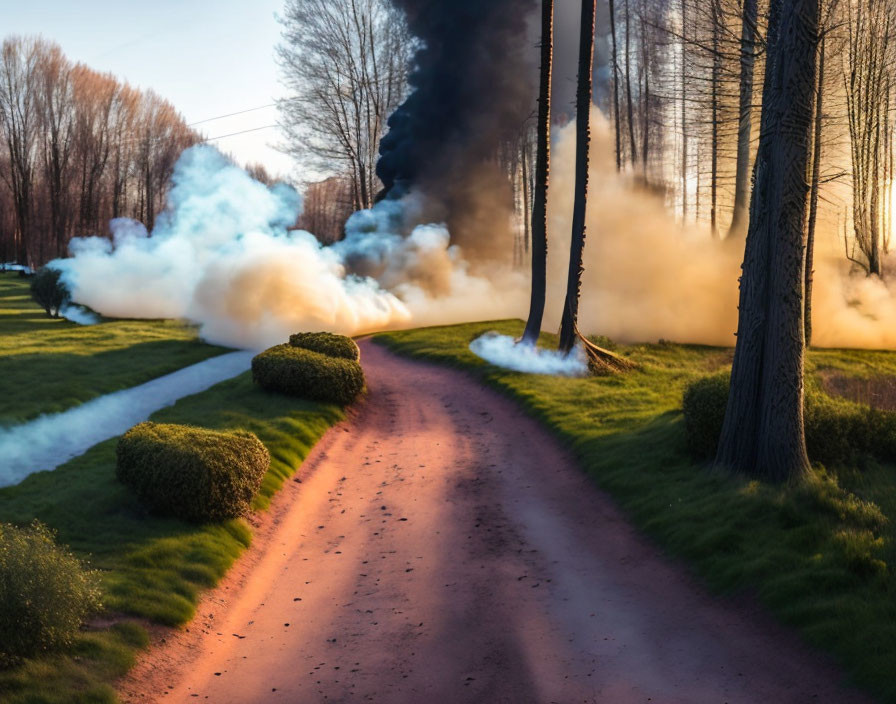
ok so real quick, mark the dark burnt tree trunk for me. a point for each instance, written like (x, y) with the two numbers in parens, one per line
(763, 434)
(617, 124)
(628, 86)
(542, 178)
(714, 157)
(742, 184)
(568, 331)
(813, 191)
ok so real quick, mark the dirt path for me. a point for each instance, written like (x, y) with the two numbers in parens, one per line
(442, 548)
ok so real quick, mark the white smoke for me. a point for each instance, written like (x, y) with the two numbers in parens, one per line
(50, 440)
(503, 351)
(222, 256)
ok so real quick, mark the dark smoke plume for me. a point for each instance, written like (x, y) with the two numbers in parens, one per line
(472, 89)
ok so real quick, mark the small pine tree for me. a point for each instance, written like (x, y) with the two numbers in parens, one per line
(49, 292)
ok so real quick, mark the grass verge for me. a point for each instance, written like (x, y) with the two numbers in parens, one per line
(153, 568)
(49, 365)
(819, 556)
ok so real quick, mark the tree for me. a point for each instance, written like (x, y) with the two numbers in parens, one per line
(814, 189)
(346, 63)
(542, 175)
(49, 292)
(763, 434)
(568, 331)
(867, 79)
(749, 21)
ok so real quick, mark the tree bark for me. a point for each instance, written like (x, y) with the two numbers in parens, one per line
(617, 124)
(763, 434)
(542, 179)
(813, 192)
(745, 122)
(568, 330)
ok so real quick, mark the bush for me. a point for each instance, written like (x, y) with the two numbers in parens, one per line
(191, 473)
(704, 412)
(300, 372)
(836, 430)
(328, 344)
(45, 593)
(49, 292)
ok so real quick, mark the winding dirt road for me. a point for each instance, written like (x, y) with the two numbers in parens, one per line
(441, 548)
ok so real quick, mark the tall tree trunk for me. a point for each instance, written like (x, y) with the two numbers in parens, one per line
(763, 434)
(684, 126)
(542, 179)
(628, 86)
(813, 190)
(616, 119)
(745, 121)
(568, 329)
(716, 78)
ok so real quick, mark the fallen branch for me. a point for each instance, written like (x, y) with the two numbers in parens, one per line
(602, 362)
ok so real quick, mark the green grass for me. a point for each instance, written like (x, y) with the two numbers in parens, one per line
(152, 567)
(49, 365)
(820, 556)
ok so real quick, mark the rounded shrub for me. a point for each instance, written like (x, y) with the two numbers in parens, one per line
(836, 430)
(704, 405)
(300, 372)
(191, 473)
(45, 592)
(328, 344)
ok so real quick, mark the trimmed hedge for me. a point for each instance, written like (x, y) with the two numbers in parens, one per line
(299, 372)
(191, 473)
(704, 404)
(837, 431)
(328, 344)
(45, 593)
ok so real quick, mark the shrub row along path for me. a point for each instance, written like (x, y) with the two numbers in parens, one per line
(442, 547)
(51, 440)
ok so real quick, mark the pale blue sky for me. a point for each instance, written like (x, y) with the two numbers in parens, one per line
(207, 58)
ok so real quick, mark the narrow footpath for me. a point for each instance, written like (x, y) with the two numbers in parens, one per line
(442, 548)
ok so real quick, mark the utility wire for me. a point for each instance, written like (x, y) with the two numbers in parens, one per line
(241, 112)
(234, 134)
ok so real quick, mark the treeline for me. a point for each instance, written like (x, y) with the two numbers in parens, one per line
(77, 148)
(685, 83)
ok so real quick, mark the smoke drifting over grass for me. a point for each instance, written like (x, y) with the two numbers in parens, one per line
(503, 351)
(50, 440)
(222, 256)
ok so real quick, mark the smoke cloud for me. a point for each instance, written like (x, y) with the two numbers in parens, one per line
(222, 256)
(503, 351)
(472, 88)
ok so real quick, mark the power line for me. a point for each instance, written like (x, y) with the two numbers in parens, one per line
(241, 112)
(234, 134)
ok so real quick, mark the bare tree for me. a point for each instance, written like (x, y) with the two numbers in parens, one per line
(346, 63)
(542, 176)
(868, 70)
(763, 434)
(568, 331)
(78, 148)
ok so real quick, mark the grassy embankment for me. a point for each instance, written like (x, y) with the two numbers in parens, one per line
(48, 365)
(819, 556)
(152, 568)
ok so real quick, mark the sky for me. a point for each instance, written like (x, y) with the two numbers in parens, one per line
(207, 58)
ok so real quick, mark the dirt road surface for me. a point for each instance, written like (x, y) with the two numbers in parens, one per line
(441, 547)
